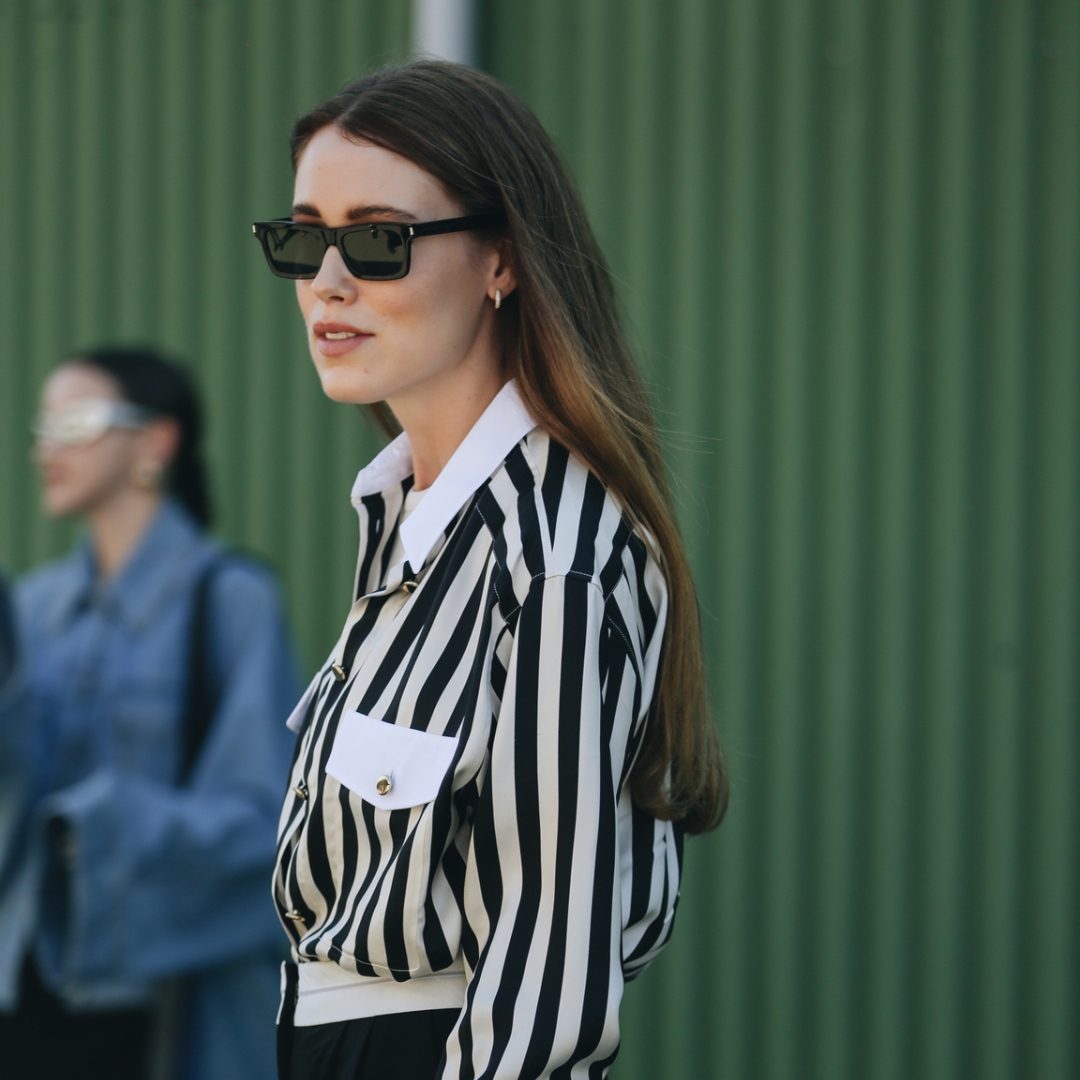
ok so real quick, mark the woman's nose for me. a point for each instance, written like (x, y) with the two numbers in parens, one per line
(333, 281)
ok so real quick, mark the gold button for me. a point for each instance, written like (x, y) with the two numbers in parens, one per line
(294, 915)
(301, 789)
(339, 672)
(408, 586)
(383, 785)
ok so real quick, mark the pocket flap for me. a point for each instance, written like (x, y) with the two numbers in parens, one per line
(388, 766)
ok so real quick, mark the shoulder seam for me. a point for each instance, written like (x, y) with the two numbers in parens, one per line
(577, 575)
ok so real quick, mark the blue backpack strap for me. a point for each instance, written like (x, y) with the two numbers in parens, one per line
(202, 689)
(7, 635)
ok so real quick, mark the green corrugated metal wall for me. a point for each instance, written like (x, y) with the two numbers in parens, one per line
(848, 239)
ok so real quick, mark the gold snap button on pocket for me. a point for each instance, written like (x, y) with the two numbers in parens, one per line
(383, 785)
(408, 586)
(339, 672)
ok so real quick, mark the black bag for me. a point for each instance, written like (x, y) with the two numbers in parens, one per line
(203, 693)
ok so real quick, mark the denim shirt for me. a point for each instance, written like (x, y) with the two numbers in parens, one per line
(123, 878)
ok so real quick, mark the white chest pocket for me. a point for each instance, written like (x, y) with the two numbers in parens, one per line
(388, 766)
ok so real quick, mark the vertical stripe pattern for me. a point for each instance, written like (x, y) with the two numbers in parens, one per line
(532, 641)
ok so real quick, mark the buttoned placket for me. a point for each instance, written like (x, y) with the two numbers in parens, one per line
(397, 582)
(504, 423)
(400, 588)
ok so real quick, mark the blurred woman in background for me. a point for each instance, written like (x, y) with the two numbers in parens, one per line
(139, 939)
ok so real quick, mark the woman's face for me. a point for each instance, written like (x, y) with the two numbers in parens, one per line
(411, 342)
(78, 479)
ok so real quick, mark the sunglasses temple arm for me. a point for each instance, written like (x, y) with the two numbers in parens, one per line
(451, 225)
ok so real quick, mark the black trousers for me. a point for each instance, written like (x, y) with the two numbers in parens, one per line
(398, 1046)
(45, 1041)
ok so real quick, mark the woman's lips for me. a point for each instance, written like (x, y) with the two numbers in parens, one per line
(335, 339)
(52, 478)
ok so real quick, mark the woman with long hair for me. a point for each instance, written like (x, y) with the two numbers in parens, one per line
(482, 839)
(142, 786)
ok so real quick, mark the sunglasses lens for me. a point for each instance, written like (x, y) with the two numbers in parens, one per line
(77, 425)
(374, 253)
(295, 251)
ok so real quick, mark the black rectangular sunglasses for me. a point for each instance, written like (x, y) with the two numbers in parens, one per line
(378, 251)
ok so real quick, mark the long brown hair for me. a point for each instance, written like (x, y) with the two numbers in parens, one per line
(565, 345)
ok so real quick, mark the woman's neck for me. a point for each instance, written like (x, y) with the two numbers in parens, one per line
(438, 421)
(117, 525)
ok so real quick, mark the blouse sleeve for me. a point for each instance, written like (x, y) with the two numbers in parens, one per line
(153, 879)
(547, 894)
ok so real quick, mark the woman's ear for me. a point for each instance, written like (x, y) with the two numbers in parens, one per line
(503, 275)
(159, 442)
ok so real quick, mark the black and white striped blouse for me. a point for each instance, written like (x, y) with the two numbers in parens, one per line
(458, 830)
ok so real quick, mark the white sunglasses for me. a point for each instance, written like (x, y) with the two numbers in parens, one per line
(82, 422)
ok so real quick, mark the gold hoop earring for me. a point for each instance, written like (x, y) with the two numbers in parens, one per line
(147, 475)
(498, 299)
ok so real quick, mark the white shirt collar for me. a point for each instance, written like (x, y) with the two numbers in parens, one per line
(503, 424)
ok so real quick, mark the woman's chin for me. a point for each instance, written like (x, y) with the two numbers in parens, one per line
(341, 384)
(62, 504)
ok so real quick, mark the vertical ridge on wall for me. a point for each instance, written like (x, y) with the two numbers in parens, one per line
(893, 413)
(944, 719)
(846, 236)
(1053, 692)
(836, 1016)
(15, 498)
(735, 573)
(46, 69)
(1009, 40)
(789, 448)
(689, 324)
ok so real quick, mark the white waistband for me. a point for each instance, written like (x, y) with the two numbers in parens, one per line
(328, 993)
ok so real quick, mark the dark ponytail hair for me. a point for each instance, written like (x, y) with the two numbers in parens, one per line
(163, 388)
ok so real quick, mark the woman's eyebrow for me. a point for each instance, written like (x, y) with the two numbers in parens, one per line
(357, 213)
